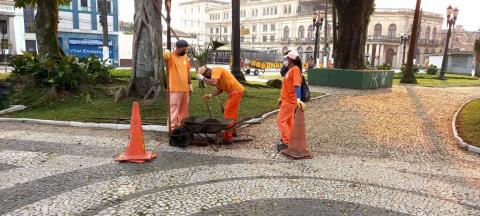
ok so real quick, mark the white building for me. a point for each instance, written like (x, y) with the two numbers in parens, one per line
(287, 24)
(12, 19)
(193, 16)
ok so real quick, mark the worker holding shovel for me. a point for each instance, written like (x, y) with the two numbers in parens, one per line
(225, 82)
(179, 82)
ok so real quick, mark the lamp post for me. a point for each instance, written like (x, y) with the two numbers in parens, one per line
(317, 22)
(3, 30)
(450, 22)
(404, 41)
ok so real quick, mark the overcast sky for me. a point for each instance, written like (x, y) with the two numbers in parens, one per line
(469, 15)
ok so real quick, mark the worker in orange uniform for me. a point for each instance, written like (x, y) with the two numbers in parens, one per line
(179, 82)
(290, 97)
(225, 82)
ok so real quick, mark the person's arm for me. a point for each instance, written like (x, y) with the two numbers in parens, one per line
(212, 82)
(209, 96)
(167, 54)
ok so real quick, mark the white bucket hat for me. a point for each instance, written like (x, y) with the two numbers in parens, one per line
(292, 54)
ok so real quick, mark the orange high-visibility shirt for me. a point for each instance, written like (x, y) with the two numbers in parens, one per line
(226, 81)
(292, 79)
(178, 73)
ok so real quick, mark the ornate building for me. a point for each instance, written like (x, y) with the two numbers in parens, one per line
(287, 24)
(461, 40)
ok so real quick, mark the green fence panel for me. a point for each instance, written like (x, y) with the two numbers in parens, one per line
(353, 79)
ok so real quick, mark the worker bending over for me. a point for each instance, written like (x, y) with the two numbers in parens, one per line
(225, 82)
(179, 82)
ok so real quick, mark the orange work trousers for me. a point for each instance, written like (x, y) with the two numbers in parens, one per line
(231, 111)
(178, 108)
(285, 121)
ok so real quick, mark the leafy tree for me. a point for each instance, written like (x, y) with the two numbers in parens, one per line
(46, 25)
(353, 18)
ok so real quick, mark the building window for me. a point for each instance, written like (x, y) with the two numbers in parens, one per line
(311, 29)
(31, 45)
(284, 9)
(254, 38)
(254, 28)
(109, 6)
(3, 26)
(225, 38)
(426, 51)
(392, 30)
(242, 39)
(309, 52)
(299, 9)
(434, 34)
(300, 52)
(225, 30)
(272, 27)
(272, 38)
(377, 31)
(211, 30)
(217, 30)
(284, 50)
(289, 9)
(457, 40)
(84, 5)
(285, 32)
(264, 12)
(265, 28)
(28, 19)
(275, 11)
(264, 39)
(427, 33)
(301, 32)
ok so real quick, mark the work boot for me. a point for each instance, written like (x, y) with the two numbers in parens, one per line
(281, 146)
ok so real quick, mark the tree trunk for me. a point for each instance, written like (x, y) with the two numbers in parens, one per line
(408, 74)
(148, 74)
(334, 29)
(353, 19)
(46, 24)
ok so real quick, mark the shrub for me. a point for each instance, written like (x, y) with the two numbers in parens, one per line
(67, 73)
(432, 70)
(404, 67)
(276, 83)
(384, 67)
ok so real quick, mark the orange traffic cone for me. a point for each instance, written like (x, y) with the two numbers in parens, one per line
(135, 151)
(298, 149)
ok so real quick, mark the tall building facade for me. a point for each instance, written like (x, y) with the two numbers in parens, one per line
(461, 39)
(193, 16)
(288, 24)
(11, 20)
(80, 30)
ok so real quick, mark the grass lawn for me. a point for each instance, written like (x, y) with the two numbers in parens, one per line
(453, 80)
(4, 76)
(468, 123)
(258, 99)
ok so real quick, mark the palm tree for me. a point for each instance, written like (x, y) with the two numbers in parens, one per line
(408, 73)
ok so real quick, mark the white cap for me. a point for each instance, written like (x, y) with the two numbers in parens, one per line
(292, 54)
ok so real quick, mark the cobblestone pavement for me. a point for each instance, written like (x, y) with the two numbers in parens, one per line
(382, 152)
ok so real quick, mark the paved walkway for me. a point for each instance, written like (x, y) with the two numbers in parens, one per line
(382, 152)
